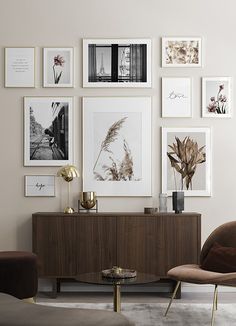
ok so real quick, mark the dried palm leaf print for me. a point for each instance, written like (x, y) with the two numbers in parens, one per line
(184, 158)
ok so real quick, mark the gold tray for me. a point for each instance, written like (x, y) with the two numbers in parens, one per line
(119, 273)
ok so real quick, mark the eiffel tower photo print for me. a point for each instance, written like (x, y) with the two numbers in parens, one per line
(117, 63)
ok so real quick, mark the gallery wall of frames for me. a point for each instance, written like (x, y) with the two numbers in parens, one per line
(117, 131)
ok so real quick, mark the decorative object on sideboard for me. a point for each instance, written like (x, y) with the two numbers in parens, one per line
(178, 201)
(118, 272)
(150, 210)
(162, 203)
(68, 173)
(88, 200)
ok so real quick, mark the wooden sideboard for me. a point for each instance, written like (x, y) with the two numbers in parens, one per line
(67, 245)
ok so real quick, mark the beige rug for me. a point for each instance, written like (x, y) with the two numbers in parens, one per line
(180, 314)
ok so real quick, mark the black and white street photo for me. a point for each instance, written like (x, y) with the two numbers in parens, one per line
(47, 130)
(117, 63)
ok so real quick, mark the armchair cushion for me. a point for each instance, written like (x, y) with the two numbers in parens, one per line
(220, 259)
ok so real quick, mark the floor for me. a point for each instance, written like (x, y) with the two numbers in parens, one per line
(95, 297)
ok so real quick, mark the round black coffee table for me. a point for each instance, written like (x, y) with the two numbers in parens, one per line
(98, 279)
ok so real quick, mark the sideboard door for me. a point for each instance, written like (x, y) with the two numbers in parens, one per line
(96, 243)
(54, 242)
(139, 241)
(182, 242)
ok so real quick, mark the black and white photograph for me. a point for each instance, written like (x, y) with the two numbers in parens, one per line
(117, 63)
(48, 131)
(58, 67)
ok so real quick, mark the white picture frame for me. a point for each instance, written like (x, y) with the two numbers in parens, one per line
(117, 146)
(216, 97)
(176, 97)
(108, 63)
(181, 52)
(58, 67)
(39, 186)
(20, 67)
(48, 131)
(199, 184)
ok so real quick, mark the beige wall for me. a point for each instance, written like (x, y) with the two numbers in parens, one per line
(65, 23)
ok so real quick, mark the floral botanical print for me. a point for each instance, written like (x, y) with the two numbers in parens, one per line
(58, 67)
(182, 52)
(58, 62)
(218, 104)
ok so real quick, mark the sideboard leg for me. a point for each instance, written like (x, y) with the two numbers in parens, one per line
(56, 287)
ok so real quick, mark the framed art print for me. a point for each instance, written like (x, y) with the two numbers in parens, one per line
(117, 145)
(117, 63)
(186, 161)
(216, 97)
(58, 67)
(20, 67)
(176, 97)
(39, 186)
(181, 52)
(48, 134)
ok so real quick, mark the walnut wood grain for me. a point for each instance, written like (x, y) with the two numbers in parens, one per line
(180, 241)
(54, 242)
(89, 242)
(96, 243)
(138, 243)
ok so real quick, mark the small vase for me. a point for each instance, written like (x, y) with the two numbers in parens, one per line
(88, 199)
(163, 203)
(178, 201)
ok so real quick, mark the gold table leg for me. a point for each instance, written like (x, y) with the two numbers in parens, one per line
(116, 297)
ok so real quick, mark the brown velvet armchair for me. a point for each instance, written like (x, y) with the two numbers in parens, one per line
(225, 235)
